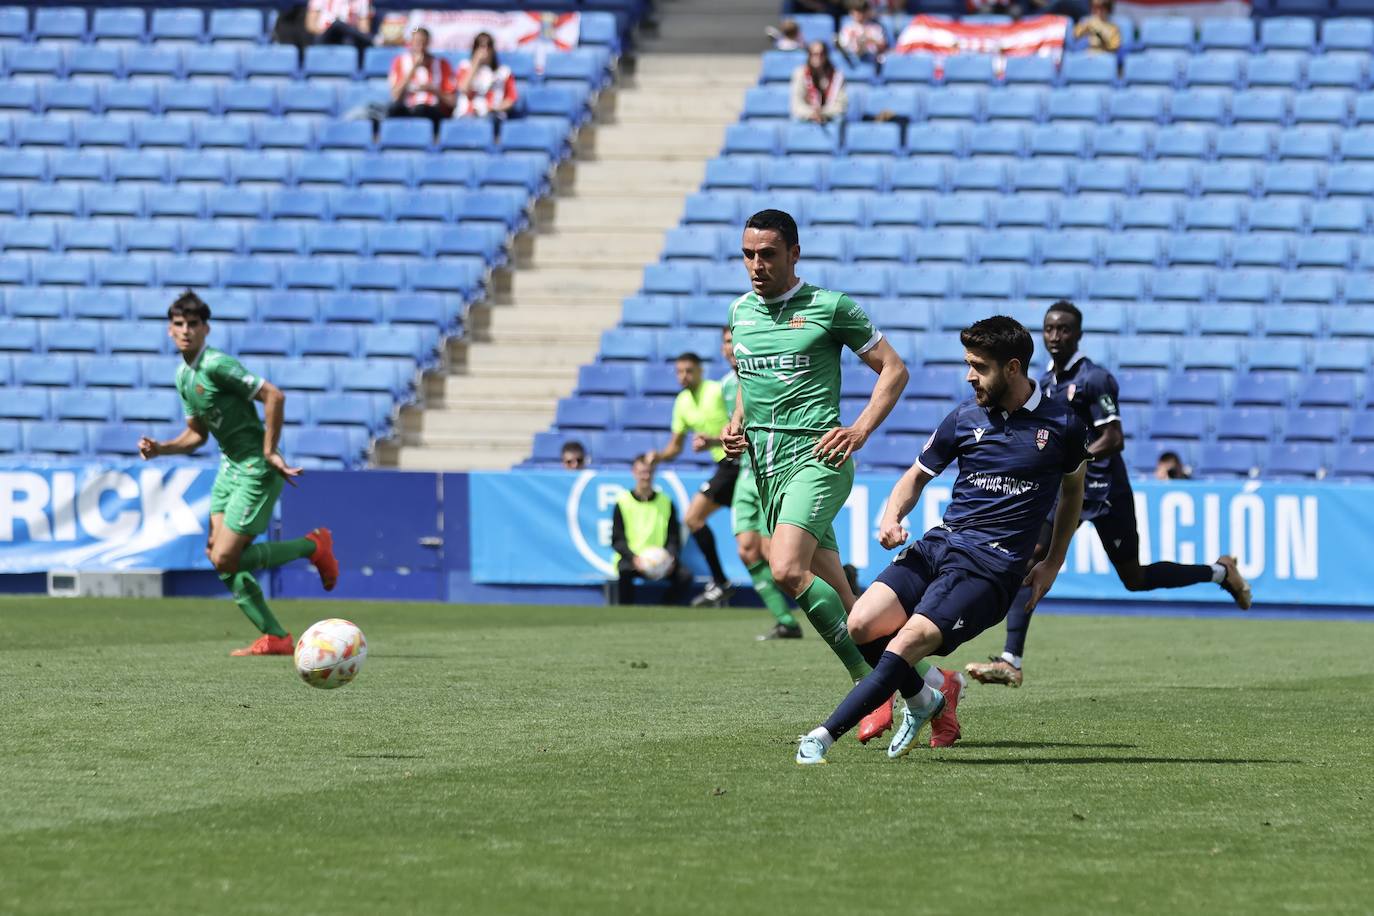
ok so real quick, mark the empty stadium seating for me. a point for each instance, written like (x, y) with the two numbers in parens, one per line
(143, 152)
(1204, 198)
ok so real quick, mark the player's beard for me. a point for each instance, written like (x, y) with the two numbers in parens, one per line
(993, 392)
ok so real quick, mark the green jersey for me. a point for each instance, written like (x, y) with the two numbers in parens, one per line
(787, 355)
(219, 392)
(704, 412)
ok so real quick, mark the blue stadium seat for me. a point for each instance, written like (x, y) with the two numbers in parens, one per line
(236, 25)
(1228, 459)
(1147, 104)
(1278, 355)
(1269, 70)
(55, 438)
(1288, 34)
(1200, 387)
(146, 406)
(1146, 353)
(1180, 423)
(405, 134)
(1030, 69)
(1315, 424)
(1349, 355)
(1169, 32)
(1296, 459)
(1063, 140)
(1153, 69)
(380, 276)
(1229, 33)
(767, 103)
(48, 371)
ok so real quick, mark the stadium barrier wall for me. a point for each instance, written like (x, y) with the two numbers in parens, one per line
(543, 536)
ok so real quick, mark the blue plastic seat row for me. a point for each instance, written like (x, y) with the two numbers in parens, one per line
(71, 23)
(502, 205)
(457, 275)
(546, 135)
(234, 237)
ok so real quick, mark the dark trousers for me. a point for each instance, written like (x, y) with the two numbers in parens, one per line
(341, 33)
(679, 580)
(399, 109)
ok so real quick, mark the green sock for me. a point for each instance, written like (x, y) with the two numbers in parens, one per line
(826, 612)
(271, 554)
(922, 667)
(773, 599)
(248, 596)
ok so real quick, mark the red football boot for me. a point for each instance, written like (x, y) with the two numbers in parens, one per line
(875, 723)
(944, 728)
(267, 644)
(323, 558)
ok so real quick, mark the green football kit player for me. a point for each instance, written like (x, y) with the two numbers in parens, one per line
(751, 535)
(217, 395)
(787, 336)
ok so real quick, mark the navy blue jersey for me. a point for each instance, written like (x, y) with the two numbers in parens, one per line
(1090, 392)
(1010, 469)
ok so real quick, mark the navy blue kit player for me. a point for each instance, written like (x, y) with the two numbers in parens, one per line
(1018, 452)
(1091, 392)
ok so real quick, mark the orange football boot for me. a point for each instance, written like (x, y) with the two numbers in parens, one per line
(944, 728)
(323, 558)
(875, 723)
(267, 644)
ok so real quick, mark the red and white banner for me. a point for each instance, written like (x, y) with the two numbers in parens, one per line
(455, 30)
(1042, 35)
(1196, 10)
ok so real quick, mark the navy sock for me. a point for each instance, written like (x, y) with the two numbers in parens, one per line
(873, 651)
(891, 673)
(1018, 622)
(1173, 575)
(707, 542)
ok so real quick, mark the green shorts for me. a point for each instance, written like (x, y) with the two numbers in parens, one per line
(809, 495)
(245, 498)
(746, 509)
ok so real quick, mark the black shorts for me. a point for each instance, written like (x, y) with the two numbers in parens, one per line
(1116, 529)
(939, 582)
(720, 489)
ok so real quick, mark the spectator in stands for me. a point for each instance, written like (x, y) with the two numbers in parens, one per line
(574, 456)
(862, 37)
(326, 22)
(485, 88)
(1170, 467)
(818, 92)
(787, 36)
(645, 517)
(835, 9)
(1097, 31)
(422, 85)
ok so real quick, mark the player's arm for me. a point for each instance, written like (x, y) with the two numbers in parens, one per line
(841, 442)
(732, 440)
(1066, 518)
(903, 498)
(186, 443)
(1108, 442)
(1106, 419)
(273, 410)
(671, 450)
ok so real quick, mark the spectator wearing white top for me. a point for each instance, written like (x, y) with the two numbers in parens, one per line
(862, 37)
(485, 88)
(422, 85)
(818, 92)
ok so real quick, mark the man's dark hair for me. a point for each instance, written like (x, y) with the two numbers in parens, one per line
(642, 456)
(1068, 308)
(572, 445)
(781, 223)
(188, 305)
(1169, 456)
(1001, 338)
(688, 357)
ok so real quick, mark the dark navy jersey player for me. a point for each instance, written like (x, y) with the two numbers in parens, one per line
(1018, 454)
(1090, 391)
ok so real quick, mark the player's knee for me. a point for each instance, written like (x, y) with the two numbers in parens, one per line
(226, 564)
(789, 575)
(1132, 579)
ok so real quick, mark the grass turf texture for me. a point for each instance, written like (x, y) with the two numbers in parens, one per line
(570, 760)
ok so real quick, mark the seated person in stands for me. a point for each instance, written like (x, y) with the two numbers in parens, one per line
(645, 517)
(327, 22)
(818, 92)
(422, 85)
(573, 456)
(1097, 30)
(484, 86)
(835, 9)
(787, 36)
(862, 37)
(1170, 467)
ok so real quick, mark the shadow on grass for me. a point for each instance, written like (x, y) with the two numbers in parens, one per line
(1069, 761)
(1031, 745)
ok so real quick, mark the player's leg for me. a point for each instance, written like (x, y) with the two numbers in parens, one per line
(715, 494)
(316, 546)
(1121, 540)
(625, 589)
(792, 549)
(246, 515)
(751, 540)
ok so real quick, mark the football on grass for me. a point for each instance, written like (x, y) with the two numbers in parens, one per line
(657, 562)
(330, 653)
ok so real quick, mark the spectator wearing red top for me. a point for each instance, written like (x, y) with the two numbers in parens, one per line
(484, 86)
(422, 85)
(862, 37)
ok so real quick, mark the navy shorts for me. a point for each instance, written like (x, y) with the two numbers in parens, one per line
(943, 585)
(1116, 529)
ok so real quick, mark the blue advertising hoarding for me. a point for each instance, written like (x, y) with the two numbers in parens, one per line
(1298, 543)
(104, 517)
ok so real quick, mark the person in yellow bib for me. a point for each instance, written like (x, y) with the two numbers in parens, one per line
(645, 517)
(701, 410)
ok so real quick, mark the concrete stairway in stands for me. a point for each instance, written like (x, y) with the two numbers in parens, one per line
(665, 117)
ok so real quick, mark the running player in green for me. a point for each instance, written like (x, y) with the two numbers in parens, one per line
(751, 535)
(787, 337)
(217, 395)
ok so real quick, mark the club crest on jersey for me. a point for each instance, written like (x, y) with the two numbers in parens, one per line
(200, 389)
(978, 434)
(1042, 438)
(796, 323)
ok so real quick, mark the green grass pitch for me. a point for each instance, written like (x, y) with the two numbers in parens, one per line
(573, 760)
